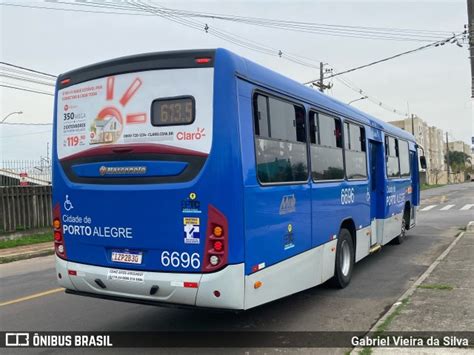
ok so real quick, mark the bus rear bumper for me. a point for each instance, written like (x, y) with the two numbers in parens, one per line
(173, 288)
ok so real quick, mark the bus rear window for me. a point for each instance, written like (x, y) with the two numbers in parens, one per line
(173, 111)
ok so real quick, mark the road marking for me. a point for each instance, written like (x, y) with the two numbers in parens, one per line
(427, 208)
(30, 297)
(466, 207)
(445, 208)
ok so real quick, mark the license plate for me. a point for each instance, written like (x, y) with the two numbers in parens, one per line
(127, 257)
(126, 275)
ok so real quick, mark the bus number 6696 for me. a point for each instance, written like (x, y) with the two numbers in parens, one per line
(347, 196)
(176, 259)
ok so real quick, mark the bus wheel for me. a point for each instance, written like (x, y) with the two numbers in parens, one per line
(403, 231)
(344, 259)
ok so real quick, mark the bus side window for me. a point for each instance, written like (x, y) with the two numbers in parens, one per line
(356, 157)
(280, 140)
(326, 147)
(261, 123)
(403, 153)
(391, 151)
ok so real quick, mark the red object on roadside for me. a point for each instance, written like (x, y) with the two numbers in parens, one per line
(23, 181)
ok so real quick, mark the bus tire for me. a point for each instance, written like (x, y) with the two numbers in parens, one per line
(403, 231)
(344, 259)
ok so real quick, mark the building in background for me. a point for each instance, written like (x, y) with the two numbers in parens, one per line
(432, 141)
(460, 146)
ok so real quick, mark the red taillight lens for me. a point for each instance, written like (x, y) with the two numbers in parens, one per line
(203, 60)
(65, 81)
(216, 247)
(58, 235)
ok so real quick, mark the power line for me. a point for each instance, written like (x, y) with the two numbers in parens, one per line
(26, 124)
(74, 10)
(177, 17)
(25, 89)
(433, 44)
(346, 82)
(22, 78)
(25, 73)
(237, 40)
(169, 14)
(28, 69)
(338, 30)
(383, 33)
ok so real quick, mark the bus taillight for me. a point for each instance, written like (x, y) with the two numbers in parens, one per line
(216, 247)
(203, 60)
(58, 234)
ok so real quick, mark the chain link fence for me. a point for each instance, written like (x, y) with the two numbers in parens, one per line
(25, 172)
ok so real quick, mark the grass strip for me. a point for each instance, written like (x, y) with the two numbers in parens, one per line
(436, 287)
(9, 259)
(26, 240)
(385, 324)
(427, 187)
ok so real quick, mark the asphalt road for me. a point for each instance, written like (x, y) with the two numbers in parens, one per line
(377, 282)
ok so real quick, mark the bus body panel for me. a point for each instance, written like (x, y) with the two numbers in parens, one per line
(272, 232)
(100, 219)
(150, 218)
(281, 238)
(172, 287)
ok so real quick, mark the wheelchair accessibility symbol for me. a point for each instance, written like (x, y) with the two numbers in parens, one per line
(68, 204)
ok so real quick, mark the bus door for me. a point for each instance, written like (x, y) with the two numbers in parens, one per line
(415, 186)
(376, 184)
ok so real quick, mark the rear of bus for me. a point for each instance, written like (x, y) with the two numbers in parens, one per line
(147, 199)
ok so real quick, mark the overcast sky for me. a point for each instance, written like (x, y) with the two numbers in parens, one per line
(434, 83)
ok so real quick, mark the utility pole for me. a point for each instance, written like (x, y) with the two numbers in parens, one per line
(413, 124)
(470, 31)
(447, 154)
(321, 76)
(320, 83)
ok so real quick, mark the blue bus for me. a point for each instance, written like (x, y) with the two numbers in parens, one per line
(199, 178)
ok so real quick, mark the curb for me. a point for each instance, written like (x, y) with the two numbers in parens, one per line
(28, 255)
(415, 285)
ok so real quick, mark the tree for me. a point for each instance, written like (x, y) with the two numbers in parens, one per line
(436, 173)
(457, 161)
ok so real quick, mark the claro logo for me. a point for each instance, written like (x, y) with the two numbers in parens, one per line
(191, 136)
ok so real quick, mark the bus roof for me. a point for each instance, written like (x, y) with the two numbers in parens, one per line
(257, 73)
